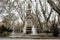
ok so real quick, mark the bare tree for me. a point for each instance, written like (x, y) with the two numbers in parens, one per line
(44, 14)
(10, 20)
(53, 5)
(8, 7)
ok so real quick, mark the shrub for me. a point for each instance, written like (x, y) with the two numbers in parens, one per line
(4, 31)
(55, 31)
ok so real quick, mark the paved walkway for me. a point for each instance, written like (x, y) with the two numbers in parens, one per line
(33, 37)
(37, 36)
(25, 39)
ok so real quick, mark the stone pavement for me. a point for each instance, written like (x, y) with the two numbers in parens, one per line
(42, 36)
(25, 39)
(37, 36)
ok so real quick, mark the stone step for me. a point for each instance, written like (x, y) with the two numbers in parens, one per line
(28, 29)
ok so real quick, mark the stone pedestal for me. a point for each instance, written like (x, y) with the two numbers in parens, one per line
(34, 31)
(24, 30)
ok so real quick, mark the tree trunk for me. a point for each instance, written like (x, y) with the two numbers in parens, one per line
(53, 5)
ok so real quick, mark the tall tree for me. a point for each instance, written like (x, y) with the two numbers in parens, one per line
(53, 5)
